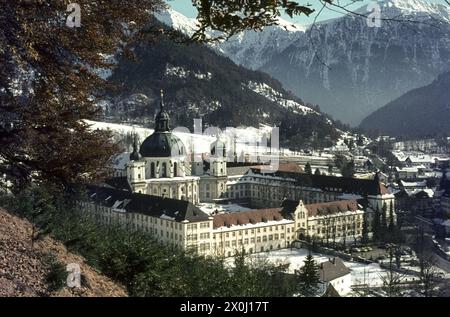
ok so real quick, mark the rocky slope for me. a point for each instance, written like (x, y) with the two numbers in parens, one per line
(23, 270)
(418, 113)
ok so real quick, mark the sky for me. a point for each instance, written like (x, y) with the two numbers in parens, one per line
(185, 7)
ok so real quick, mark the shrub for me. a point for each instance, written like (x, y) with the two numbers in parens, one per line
(56, 277)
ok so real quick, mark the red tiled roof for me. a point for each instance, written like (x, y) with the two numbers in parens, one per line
(245, 217)
(331, 207)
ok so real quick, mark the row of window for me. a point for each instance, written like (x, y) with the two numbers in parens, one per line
(201, 225)
(339, 234)
(252, 231)
(261, 249)
(339, 218)
(339, 226)
(246, 241)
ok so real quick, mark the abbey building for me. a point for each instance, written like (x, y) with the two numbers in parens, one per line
(166, 188)
(161, 167)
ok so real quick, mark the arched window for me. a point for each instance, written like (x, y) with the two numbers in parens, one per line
(175, 169)
(152, 170)
(164, 170)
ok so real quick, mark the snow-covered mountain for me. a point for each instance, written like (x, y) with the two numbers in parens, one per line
(351, 69)
(177, 21)
(252, 49)
(418, 8)
(345, 66)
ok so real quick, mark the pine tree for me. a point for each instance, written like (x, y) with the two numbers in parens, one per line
(376, 226)
(308, 277)
(392, 228)
(308, 169)
(384, 225)
(360, 141)
(330, 169)
(317, 172)
(365, 230)
(348, 170)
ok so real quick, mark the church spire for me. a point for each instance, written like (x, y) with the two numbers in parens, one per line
(162, 118)
(161, 103)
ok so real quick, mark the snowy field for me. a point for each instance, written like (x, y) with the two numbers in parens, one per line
(248, 139)
(361, 273)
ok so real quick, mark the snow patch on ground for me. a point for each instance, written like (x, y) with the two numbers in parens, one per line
(369, 274)
(180, 72)
(211, 208)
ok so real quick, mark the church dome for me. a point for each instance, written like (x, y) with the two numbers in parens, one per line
(162, 143)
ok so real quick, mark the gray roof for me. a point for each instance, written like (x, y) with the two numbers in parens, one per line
(362, 187)
(162, 144)
(332, 269)
(154, 206)
(238, 170)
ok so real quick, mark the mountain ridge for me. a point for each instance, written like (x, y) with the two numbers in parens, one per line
(347, 68)
(421, 112)
(199, 83)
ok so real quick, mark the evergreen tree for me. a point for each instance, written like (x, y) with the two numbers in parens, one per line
(365, 230)
(376, 226)
(330, 169)
(340, 161)
(348, 170)
(360, 141)
(384, 225)
(308, 277)
(317, 172)
(392, 228)
(308, 169)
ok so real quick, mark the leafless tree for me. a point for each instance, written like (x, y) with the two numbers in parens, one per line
(430, 278)
(392, 279)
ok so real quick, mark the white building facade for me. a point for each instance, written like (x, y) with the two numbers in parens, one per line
(180, 224)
